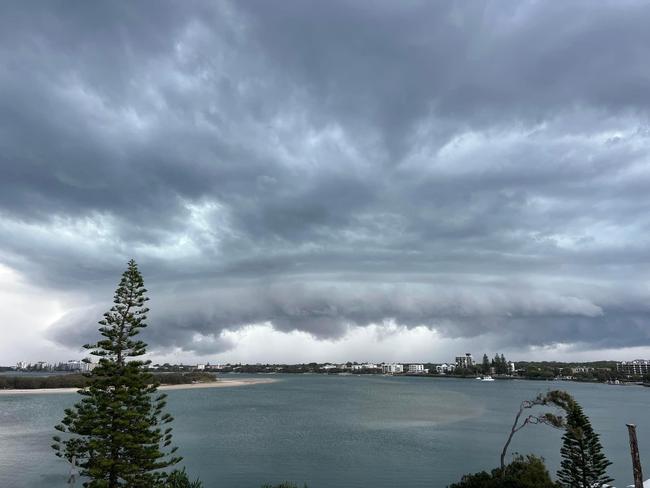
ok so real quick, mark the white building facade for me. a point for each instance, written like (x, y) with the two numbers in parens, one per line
(638, 367)
(392, 368)
(416, 369)
(445, 368)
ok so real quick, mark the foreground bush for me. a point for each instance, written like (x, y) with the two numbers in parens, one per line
(179, 479)
(523, 472)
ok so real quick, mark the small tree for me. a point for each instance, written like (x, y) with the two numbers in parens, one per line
(557, 398)
(583, 463)
(118, 433)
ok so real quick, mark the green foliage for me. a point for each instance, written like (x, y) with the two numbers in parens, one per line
(55, 381)
(80, 380)
(583, 463)
(118, 434)
(183, 378)
(522, 472)
(179, 479)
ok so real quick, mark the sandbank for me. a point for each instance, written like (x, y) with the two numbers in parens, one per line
(188, 386)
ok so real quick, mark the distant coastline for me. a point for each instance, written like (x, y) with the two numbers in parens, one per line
(225, 383)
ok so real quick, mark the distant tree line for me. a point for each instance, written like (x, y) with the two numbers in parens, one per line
(81, 380)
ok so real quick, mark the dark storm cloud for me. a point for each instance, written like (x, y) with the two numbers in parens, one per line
(477, 168)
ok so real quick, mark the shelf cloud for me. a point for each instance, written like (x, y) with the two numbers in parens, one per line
(478, 169)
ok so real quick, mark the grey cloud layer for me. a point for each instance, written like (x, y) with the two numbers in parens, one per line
(476, 168)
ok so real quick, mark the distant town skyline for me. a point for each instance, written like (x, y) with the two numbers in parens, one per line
(331, 180)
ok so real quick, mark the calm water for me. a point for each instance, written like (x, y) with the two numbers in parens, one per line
(340, 431)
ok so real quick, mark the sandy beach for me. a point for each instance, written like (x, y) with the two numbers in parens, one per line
(190, 386)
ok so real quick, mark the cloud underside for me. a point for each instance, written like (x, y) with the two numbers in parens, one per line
(477, 169)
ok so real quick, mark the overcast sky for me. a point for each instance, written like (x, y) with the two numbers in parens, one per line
(328, 180)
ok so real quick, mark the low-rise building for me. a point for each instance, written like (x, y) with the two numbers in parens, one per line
(416, 368)
(582, 369)
(392, 368)
(445, 368)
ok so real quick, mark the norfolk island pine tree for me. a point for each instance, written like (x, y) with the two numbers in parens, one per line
(118, 433)
(583, 463)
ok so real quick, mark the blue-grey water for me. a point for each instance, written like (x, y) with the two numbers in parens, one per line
(340, 431)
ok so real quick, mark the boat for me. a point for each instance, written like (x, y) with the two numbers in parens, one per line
(487, 378)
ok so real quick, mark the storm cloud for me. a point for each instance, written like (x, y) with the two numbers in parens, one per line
(480, 169)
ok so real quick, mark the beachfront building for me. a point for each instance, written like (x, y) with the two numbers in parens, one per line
(77, 365)
(392, 368)
(445, 368)
(416, 369)
(582, 369)
(638, 367)
(465, 362)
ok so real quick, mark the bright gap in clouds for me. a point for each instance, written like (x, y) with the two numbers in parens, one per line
(375, 343)
(25, 313)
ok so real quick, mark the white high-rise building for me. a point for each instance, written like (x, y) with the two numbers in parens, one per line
(465, 362)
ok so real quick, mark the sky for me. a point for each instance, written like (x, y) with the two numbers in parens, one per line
(328, 181)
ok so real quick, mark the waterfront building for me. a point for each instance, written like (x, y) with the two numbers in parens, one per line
(416, 369)
(511, 367)
(638, 367)
(78, 365)
(465, 362)
(392, 368)
(327, 367)
(582, 369)
(200, 367)
(445, 368)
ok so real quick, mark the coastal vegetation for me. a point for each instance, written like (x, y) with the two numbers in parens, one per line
(81, 380)
(583, 463)
(523, 472)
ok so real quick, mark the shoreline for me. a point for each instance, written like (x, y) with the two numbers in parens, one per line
(226, 383)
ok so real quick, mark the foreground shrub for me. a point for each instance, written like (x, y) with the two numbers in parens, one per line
(522, 472)
(179, 479)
